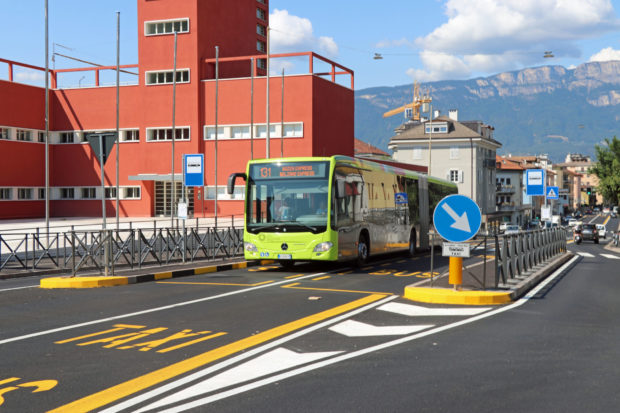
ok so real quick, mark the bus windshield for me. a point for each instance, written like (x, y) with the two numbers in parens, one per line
(288, 197)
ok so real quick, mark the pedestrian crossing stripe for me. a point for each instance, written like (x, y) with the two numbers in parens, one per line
(613, 257)
(586, 254)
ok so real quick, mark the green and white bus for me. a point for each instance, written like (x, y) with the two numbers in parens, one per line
(335, 208)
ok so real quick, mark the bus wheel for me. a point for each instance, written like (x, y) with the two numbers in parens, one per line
(287, 264)
(362, 250)
(412, 241)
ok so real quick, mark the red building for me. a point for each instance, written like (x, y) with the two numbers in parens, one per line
(314, 118)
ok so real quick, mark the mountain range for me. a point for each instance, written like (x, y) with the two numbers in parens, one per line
(541, 110)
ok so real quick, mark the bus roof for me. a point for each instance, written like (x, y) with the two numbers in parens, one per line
(377, 165)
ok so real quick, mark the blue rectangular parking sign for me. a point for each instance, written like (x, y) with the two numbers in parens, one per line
(193, 169)
(535, 182)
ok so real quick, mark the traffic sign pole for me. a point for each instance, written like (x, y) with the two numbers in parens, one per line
(457, 218)
(456, 272)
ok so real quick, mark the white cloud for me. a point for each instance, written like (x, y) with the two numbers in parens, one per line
(483, 36)
(606, 54)
(30, 76)
(295, 34)
(383, 44)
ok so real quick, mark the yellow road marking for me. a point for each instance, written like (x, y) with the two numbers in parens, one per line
(229, 284)
(367, 268)
(112, 394)
(189, 343)
(294, 276)
(321, 278)
(118, 327)
(12, 379)
(401, 261)
(295, 287)
(345, 272)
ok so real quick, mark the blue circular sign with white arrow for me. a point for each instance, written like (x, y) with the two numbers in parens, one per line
(457, 218)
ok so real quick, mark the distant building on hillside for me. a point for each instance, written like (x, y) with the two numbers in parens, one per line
(462, 152)
(586, 191)
(509, 193)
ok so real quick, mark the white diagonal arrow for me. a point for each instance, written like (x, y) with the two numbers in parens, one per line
(460, 222)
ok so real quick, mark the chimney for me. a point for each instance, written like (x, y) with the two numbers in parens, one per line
(453, 114)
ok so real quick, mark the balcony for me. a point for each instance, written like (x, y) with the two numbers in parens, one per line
(505, 189)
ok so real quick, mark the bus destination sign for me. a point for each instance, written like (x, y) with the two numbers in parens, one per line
(289, 170)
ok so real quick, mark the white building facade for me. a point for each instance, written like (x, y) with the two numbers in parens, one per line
(461, 152)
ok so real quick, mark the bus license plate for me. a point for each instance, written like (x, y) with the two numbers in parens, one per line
(285, 256)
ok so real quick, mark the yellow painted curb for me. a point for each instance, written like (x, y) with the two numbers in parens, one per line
(83, 282)
(449, 296)
(163, 275)
(205, 270)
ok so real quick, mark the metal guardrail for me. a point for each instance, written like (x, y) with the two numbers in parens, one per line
(127, 248)
(518, 253)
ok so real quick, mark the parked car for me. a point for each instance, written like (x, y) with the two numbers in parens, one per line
(573, 223)
(511, 229)
(503, 226)
(589, 233)
(602, 231)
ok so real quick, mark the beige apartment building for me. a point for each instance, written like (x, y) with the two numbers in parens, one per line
(461, 152)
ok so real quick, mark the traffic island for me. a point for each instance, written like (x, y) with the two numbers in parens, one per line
(458, 297)
(468, 294)
(113, 281)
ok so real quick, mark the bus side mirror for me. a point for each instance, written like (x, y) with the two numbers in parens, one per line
(231, 181)
(340, 191)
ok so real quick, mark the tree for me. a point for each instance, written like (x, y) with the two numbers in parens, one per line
(607, 168)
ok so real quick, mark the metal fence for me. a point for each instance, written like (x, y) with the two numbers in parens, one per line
(89, 250)
(519, 253)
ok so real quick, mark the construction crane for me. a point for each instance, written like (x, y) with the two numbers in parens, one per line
(414, 105)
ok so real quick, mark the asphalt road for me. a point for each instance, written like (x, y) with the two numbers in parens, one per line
(317, 339)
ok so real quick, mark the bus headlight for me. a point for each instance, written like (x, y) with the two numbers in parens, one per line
(249, 247)
(323, 246)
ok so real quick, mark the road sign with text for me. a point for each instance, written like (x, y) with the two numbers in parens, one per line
(535, 182)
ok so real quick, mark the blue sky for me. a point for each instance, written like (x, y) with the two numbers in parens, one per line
(419, 40)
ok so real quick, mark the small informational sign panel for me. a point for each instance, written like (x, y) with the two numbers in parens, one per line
(553, 192)
(452, 249)
(401, 198)
(545, 213)
(182, 210)
(535, 182)
(193, 169)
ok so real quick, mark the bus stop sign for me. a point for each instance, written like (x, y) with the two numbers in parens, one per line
(457, 218)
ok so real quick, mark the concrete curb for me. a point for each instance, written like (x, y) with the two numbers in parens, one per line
(112, 281)
(486, 297)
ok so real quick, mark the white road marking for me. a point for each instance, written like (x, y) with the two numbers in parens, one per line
(586, 254)
(251, 386)
(419, 311)
(613, 257)
(276, 360)
(352, 328)
(202, 373)
(19, 288)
